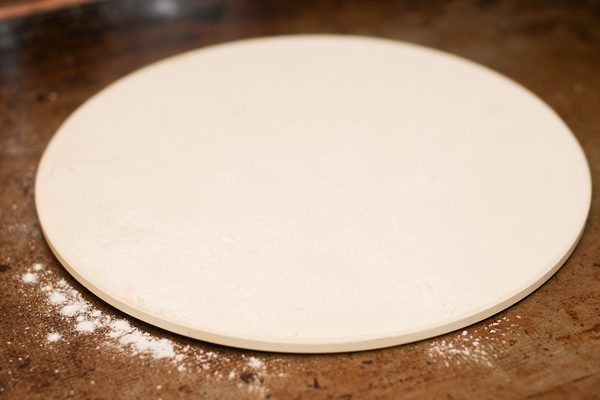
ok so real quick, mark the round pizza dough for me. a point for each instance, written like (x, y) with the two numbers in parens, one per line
(313, 193)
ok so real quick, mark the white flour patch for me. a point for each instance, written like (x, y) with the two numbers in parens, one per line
(86, 319)
(253, 375)
(85, 326)
(29, 277)
(53, 336)
(478, 346)
(57, 298)
(82, 319)
(143, 342)
(255, 363)
(72, 308)
(119, 327)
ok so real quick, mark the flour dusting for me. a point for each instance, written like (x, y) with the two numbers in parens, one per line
(53, 337)
(81, 318)
(86, 319)
(29, 277)
(254, 362)
(57, 298)
(479, 347)
(85, 326)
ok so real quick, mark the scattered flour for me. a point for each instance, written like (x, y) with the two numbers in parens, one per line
(254, 362)
(96, 313)
(72, 308)
(85, 326)
(119, 327)
(142, 342)
(29, 277)
(71, 305)
(57, 298)
(84, 319)
(54, 337)
(479, 347)
(253, 375)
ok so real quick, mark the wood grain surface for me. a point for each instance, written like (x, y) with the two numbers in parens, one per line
(546, 346)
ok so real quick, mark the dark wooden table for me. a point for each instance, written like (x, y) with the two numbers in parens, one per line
(546, 346)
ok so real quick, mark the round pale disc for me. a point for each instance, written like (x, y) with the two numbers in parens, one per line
(313, 193)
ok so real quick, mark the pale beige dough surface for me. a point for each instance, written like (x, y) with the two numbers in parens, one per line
(313, 193)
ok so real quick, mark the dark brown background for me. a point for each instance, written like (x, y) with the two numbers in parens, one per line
(51, 63)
